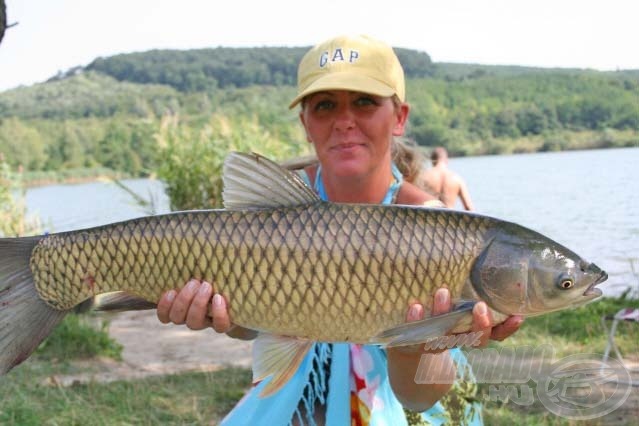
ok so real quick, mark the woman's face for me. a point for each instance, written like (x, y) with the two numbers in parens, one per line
(352, 131)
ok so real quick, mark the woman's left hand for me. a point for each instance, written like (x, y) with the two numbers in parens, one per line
(482, 318)
(483, 322)
(405, 361)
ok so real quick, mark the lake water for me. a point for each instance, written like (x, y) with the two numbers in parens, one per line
(586, 200)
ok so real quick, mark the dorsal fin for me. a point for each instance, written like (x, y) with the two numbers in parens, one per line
(254, 181)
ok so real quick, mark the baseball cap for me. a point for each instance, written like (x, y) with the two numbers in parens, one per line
(357, 63)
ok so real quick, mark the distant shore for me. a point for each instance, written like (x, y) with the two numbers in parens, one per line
(34, 179)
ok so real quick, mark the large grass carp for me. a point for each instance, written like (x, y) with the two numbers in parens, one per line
(292, 265)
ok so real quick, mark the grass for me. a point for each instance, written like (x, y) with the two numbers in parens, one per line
(579, 330)
(184, 399)
(503, 415)
(569, 332)
(28, 397)
(510, 413)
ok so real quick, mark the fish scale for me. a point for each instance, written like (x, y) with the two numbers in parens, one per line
(324, 271)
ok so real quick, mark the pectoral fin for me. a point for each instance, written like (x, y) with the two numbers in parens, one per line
(417, 332)
(278, 357)
(118, 301)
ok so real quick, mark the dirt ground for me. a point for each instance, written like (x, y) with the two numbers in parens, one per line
(152, 348)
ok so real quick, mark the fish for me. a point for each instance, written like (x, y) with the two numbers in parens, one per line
(294, 268)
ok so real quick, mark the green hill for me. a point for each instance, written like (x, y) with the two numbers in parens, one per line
(107, 113)
(223, 67)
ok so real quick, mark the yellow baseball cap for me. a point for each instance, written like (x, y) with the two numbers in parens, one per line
(357, 63)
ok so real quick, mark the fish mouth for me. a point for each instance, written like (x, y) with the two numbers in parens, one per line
(592, 290)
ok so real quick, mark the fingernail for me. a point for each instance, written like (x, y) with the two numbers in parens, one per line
(170, 296)
(191, 285)
(442, 295)
(204, 288)
(413, 312)
(481, 308)
(218, 300)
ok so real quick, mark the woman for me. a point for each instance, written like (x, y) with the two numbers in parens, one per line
(351, 91)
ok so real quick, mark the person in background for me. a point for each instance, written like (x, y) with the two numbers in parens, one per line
(352, 107)
(443, 183)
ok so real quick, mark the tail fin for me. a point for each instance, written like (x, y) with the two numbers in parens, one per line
(25, 319)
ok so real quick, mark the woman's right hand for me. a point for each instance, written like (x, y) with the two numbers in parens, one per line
(190, 306)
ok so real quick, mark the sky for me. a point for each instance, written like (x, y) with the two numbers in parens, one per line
(55, 35)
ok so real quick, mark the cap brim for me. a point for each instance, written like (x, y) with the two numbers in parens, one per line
(345, 81)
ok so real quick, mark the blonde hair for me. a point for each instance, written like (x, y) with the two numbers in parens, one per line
(406, 154)
(408, 158)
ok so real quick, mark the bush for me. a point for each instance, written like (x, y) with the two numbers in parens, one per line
(191, 159)
(13, 219)
(76, 337)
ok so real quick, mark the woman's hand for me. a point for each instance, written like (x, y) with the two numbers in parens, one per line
(482, 319)
(404, 362)
(483, 322)
(190, 306)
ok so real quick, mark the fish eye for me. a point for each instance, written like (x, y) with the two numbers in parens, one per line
(566, 283)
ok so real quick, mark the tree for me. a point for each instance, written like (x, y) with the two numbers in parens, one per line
(3, 19)
(531, 120)
(114, 150)
(595, 113)
(21, 145)
(505, 124)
